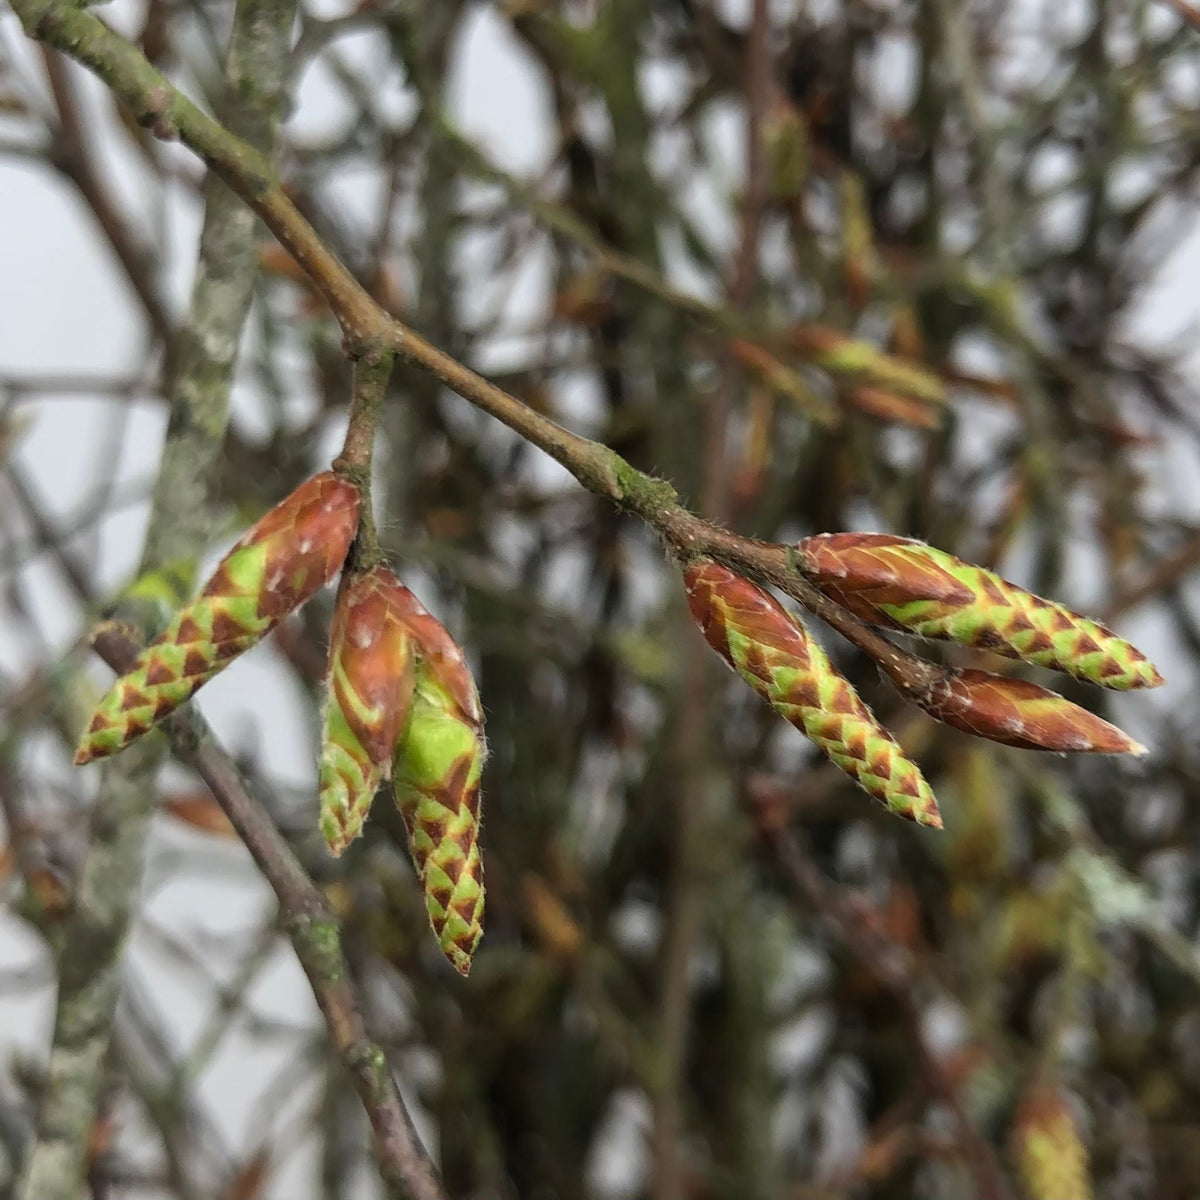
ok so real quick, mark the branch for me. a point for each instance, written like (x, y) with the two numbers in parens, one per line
(371, 374)
(202, 361)
(369, 329)
(314, 933)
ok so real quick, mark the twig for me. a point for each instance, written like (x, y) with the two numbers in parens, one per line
(48, 385)
(1157, 578)
(371, 374)
(314, 933)
(846, 358)
(73, 156)
(368, 328)
(46, 536)
(195, 1154)
(30, 859)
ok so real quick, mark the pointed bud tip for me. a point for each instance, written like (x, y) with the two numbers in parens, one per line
(84, 755)
(1018, 712)
(925, 814)
(460, 960)
(1101, 737)
(1142, 674)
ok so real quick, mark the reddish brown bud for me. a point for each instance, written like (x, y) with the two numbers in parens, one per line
(899, 583)
(1019, 713)
(369, 691)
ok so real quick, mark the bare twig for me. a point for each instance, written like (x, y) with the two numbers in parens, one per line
(180, 524)
(368, 328)
(371, 374)
(314, 933)
(74, 156)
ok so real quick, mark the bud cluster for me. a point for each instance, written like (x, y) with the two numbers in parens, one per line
(400, 700)
(901, 584)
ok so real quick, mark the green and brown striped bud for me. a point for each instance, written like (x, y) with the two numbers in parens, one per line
(900, 583)
(369, 689)
(1051, 1157)
(1019, 713)
(785, 665)
(278, 564)
(438, 762)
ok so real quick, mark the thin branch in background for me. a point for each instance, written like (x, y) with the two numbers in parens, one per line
(201, 371)
(73, 148)
(43, 385)
(685, 902)
(46, 536)
(893, 967)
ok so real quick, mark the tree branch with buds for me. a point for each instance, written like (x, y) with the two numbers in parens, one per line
(313, 931)
(984, 610)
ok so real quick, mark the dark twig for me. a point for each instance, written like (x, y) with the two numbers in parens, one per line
(371, 374)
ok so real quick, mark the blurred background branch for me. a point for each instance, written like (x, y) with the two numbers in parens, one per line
(911, 267)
